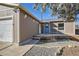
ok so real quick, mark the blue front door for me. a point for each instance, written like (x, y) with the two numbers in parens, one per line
(46, 29)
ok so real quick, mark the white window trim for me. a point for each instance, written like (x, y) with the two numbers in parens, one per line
(63, 26)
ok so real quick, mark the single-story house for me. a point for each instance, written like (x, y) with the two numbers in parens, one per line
(17, 24)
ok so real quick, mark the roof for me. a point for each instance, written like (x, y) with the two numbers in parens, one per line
(17, 5)
(55, 20)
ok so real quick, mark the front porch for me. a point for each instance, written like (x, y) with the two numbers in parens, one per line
(56, 30)
(51, 37)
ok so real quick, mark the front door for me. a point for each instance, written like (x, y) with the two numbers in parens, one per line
(46, 28)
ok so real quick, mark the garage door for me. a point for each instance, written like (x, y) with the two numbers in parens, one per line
(6, 29)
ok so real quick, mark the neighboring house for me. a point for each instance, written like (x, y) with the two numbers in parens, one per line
(17, 24)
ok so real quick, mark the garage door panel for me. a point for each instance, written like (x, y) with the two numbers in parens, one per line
(6, 30)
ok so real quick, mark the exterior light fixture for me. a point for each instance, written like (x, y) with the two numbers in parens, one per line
(25, 16)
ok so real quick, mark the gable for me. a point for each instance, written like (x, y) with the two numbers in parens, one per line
(3, 7)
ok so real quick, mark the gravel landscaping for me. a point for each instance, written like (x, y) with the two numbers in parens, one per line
(54, 48)
(41, 51)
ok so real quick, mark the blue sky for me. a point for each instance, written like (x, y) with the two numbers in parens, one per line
(37, 13)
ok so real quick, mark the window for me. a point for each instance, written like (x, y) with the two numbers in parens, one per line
(61, 26)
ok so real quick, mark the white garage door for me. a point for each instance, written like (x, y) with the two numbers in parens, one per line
(6, 30)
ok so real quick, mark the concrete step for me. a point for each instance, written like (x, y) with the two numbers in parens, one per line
(36, 37)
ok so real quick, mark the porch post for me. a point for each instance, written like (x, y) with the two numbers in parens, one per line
(49, 28)
(39, 28)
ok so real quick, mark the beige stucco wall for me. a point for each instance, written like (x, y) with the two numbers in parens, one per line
(28, 26)
(69, 28)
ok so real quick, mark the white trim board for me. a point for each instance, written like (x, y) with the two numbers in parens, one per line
(6, 17)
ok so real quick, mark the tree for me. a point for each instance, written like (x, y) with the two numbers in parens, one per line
(68, 11)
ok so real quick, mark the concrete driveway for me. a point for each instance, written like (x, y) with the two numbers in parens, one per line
(16, 50)
(4, 45)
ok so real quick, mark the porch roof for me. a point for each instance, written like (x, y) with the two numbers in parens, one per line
(55, 20)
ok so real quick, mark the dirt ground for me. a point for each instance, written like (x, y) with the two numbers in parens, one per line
(71, 51)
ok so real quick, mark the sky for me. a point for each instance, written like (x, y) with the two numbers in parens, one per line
(37, 13)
